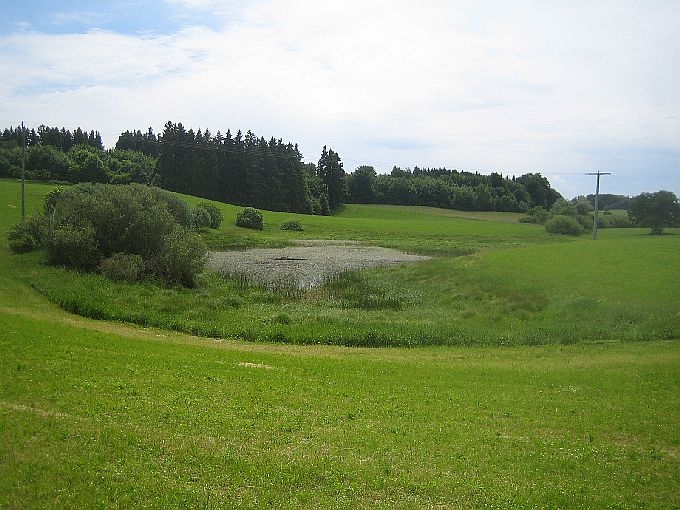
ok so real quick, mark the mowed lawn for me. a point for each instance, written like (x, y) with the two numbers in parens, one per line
(97, 415)
(104, 415)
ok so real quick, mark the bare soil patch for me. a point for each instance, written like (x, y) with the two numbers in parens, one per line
(305, 266)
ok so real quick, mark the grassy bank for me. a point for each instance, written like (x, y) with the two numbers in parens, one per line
(94, 416)
(492, 281)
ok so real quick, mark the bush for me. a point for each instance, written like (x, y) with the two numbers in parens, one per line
(324, 207)
(292, 225)
(113, 228)
(200, 218)
(177, 207)
(25, 236)
(535, 215)
(611, 220)
(587, 221)
(561, 224)
(214, 213)
(73, 246)
(123, 267)
(182, 258)
(562, 207)
(250, 218)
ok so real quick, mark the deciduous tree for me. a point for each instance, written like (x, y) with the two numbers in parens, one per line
(655, 210)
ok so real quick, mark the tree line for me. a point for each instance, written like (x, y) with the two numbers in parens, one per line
(450, 189)
(62, 139)
(248, 170)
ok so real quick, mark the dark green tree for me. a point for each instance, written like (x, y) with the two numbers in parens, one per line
(333, 176)
(539, 190)
(655, 210)
(45, 162)
(361, 185)
(86, 165)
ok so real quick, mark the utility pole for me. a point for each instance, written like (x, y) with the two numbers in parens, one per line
(23, 173)
(597, 194)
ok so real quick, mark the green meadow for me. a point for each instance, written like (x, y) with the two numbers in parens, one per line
(512, 370)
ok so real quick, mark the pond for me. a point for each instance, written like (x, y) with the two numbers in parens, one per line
(305, 266)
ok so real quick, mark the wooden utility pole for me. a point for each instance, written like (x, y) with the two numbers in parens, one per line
(597, 194)
(23, 173)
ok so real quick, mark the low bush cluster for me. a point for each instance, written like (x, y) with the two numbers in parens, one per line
(292, 225)
(125, 232)
(608, 219)
(205, 215)
(535, 215)
(250, 218)
(123, 267)
(25, 237)
(562, 224)
(564, 217)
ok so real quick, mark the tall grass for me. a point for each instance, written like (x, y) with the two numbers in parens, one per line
(560, 293)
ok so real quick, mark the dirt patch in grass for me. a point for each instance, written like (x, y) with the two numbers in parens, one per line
(305, 266)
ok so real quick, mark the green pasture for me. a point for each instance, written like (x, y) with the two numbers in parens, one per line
(124, 414)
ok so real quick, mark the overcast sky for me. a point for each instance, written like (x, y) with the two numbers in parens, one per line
(556, 87)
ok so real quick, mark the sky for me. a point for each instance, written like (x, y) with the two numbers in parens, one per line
(562, 88)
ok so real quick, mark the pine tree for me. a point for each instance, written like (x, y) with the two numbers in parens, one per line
(333, 176)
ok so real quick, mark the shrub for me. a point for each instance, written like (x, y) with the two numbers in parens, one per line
(535, 215)
(214, 213)
(126, 219)
(73, 246)
(25, 236)
(292, 225)
(200, 218)
(610, 220)
(250, 218)
(121, 225)
(324, 207)
(51, 199)
(123, 267)
(561, 224)
(177, 207)
(586, 221)
(562, 207)
(182, 258)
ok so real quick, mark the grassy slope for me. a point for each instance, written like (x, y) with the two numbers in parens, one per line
(103, 415)
(584, 293)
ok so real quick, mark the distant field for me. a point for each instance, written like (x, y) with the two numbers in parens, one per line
(107, 414)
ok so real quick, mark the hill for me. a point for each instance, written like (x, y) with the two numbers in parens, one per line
(108, 414)
(490, 282)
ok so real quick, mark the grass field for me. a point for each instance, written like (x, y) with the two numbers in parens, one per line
(493, 281)
(98, 414)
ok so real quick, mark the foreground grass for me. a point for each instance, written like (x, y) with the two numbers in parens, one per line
(94, 416)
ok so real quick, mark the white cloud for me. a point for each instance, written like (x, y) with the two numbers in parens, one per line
(484, 86)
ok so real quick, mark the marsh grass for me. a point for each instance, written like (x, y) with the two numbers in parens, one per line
(351, 290)
(534, 295)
